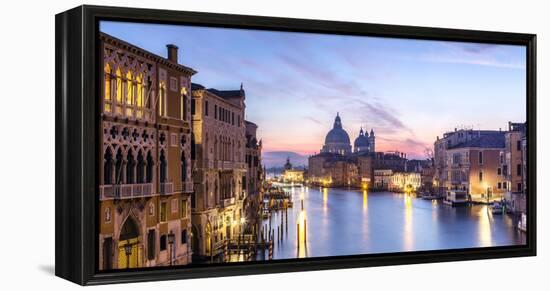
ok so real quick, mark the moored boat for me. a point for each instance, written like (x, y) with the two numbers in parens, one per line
(522, 223)
(497, 208)
(454, 198)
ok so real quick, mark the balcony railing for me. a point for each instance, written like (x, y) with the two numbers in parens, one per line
(228, 202)
(125, 191)
(166, 188)
(229, 165)
(187, 187)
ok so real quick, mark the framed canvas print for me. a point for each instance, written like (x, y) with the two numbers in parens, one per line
(196, 145)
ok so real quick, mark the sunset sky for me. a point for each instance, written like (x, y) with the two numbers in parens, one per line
(408, 91)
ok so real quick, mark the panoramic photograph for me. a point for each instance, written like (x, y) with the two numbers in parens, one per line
(225, 145)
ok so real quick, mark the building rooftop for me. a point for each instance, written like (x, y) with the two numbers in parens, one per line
(485, 139)
(145, 53)
(225, 94)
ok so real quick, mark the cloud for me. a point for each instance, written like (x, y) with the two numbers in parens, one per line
(314, 120)
(474, 61)
(474, 48)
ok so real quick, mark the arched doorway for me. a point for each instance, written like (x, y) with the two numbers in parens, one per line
(129, 250)
(195, 241)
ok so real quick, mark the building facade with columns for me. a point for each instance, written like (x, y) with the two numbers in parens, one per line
(219, 168)
(145, 173)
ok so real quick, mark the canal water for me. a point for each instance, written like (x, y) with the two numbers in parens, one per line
(337, 222)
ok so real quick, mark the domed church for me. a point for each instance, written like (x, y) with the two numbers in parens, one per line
(364, 143)
(337, 139)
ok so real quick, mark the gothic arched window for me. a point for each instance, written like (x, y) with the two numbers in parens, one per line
(119, 92)
(129, 96)
(108, 85)
(139, 95)
(130, 166)
(140, 171)
(108, 167)
(118, 167)
(149, 168)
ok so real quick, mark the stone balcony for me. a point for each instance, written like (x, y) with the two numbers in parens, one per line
(125, 191)
(166, 188)
(227, 202)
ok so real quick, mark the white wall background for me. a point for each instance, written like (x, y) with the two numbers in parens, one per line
(27, 144)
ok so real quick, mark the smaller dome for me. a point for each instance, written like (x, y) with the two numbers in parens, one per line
(361, 141)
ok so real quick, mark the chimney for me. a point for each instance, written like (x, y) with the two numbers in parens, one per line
(172, 53)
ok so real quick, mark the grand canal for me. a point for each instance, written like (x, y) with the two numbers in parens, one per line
(348, 221)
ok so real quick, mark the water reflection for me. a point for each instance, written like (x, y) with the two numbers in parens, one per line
(484, 226)
(409, 233)
(365, 201)
(362, 222)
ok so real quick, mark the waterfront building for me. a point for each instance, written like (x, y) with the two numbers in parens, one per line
(218, 154)
(254, 177)
(364, 143)
(254, 173)
(513, 166)
(337, 139)
(291, 175)
(426, 178)
(336, 165)
(392, 160)
(469, 160)
(382, 179)
(405, 181)
(145, 173)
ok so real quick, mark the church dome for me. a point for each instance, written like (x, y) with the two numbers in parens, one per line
(337, 139)
(361, 141)
(337, 135)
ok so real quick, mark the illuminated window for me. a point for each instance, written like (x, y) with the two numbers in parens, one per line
(162, 99)
(183, 209)
(118, 91)
(129, 96)
(183, 103)
(139, 95)
(107, 97)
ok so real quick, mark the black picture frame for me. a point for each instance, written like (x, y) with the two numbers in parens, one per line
(77, 113)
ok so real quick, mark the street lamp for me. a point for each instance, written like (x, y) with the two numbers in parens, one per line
(128, 251)
(171, 238)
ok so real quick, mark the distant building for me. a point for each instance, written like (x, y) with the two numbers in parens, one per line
(382, 179)
(513, 166)
(404, 181)
(337, 139)
(291, 175)
(471, 161)
(395, 161)
(336, 165)
(254, 173)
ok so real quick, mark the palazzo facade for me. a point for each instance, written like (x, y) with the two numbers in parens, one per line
(219, 169)
(145, 177)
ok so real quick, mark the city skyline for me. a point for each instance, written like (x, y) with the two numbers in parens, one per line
(395, 86)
